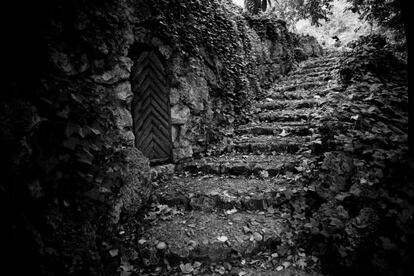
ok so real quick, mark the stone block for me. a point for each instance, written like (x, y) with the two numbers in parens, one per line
(174, 133)
(174, 96)
(180, 114)
(123, 118)
(121, 71)
(123, 92)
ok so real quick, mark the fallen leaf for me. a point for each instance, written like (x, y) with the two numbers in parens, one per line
(113, 252)
(264, 174)
(161, 246)
(221, 270)
(222, 238)
(142, 241)
(257, 236)
(301, 263)
(286, 264)
(186, 268)
(232, 211)
(284, 133)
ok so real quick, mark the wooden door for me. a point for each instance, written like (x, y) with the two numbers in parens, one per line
(151, 108)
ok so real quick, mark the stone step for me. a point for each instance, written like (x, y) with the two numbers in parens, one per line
(271, 144)
(304, 115)
(322, 63)
(298, 86)
(306, 71)
(292, 95)
(271, 104)
(290, 271)
(289, 80)
(300, 75)
(321, 60)
(217, 193)
(299, 94)
(239, 164)
(294, 128)
(210, 237)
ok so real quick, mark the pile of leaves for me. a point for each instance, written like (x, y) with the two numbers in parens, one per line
(360, 219)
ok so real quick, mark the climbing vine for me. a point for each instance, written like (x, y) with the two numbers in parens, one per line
(197, 29)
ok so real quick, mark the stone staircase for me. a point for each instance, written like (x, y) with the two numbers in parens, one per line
(220, 213)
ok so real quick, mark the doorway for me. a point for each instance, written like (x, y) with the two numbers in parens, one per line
(151, 107)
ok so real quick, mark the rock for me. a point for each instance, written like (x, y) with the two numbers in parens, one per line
(166, 51)
(120, 72)
(174, 96)
(181, 153)
(123, 118)
(180, 114)
(135, 183)
(162, 170)
(161, 246)
(127, 138)
(257, 236)
(174, 134)
(300, 54)
(194, 89)
(123, 92)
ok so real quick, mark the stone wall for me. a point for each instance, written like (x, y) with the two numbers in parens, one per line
(210, 87)
(273, 48)
(309, 45)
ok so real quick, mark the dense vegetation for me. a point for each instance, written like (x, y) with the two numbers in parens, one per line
(386, 13)
(65, 160)
(357, 214)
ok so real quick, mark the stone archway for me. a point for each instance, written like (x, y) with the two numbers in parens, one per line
(151, 107)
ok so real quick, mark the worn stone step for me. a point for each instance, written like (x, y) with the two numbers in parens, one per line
(271, 104)
(320, 64)
(210, 237)
(271, 144)
(305, 115)
(211, 193)
(239, 164)
(299, 75)
(291, 80)
(306, 71)
(291, 95)
(313, 77)
(295, 128)
(321, 60)
(299, 94)
(290, 271)
(298, 86)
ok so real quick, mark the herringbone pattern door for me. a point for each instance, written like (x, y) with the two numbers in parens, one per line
(151, 108)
